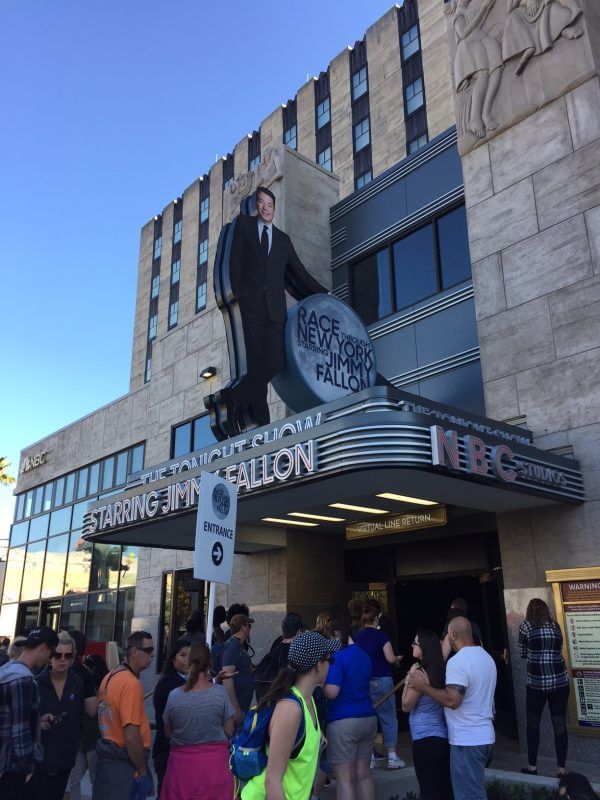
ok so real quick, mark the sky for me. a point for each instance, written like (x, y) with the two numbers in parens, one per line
(110, 109)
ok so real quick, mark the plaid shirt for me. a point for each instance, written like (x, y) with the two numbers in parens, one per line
(542, 647)
(20, 745)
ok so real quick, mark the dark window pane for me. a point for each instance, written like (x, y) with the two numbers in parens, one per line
(106, 566)
(38, 527)
(100, 622)
(453, 240)
(54, 568)
(59, 492)
(32, 574)
(14, 573)
(129, 565)
(79, 510)
(414, 267)
(121, 469)
(47, 501)
(18, 534)
(182, 443)
(94, 478)
(70, 487)
(125, 603)
(82, 483)
(107, 473)
(60, 521)
(38, 495)
(372, 287)
(203, 434)
(72, 615)
(137, 459)
(78, 565)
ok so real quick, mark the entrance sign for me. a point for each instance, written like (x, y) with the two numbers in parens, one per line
(215, 529)
(577, 601)
(329, 354)
(409, 521)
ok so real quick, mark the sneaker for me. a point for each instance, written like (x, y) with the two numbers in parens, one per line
(378, 756)
(372, 762)
(395, 762)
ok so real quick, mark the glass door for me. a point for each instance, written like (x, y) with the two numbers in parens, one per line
(50, 614)
(28, 618)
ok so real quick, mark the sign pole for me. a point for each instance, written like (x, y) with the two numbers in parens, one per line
(210, 613)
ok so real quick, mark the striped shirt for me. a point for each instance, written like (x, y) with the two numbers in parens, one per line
(542, 647)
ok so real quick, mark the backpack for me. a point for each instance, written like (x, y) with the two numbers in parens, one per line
(248, 748)
(267, 670)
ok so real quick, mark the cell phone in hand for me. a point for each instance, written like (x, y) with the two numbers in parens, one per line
(59, 718)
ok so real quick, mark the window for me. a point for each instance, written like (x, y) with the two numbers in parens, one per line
(59, 492)
(54, 569)
(47, 501)
(121, 475)
(173, 313)
(148, 370)
(13, 575)
(157, 247)
(323, 113)
(363, 179)
(203, 252)
(227, 183)
(204, 209)
(415, 269)
(414, 95)
(201, 289)
(94, 477)
(100, 620)
(290, 137)
(18, 534)
(359, 83)
(108, 473)
(362, 134)
(417, 144)
(136, 459)
(38, 495)
(60, 521)
(177, 231)
(28, 503)
(78, 564)
(202, 432)
(453, 242)
(175, 269)
(153, 321)
(324, 158)
(20, 507)
(254, 163)
(70, 487)
(32, 574)
(372, 287)
(155, 287)
(82, 483)
(38, 527)
(106, 566)
(182, 440)
(72, 615)
(410, 42)
(192, 436)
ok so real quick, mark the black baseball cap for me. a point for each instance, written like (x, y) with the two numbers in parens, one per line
(42, 635)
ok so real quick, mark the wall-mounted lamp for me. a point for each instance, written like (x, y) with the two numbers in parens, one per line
(208, 372)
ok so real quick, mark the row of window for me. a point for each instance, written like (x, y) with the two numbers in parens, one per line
(104, 616)
(191, 436)
(426, 261)
(98, 477)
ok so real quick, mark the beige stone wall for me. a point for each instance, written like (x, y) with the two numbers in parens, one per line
(533, 207)
(189, 253)
(271, 129)
(240, 157)
(435, 52)
(142, 303)
(305, 117)
(388, 133)
(341, 122)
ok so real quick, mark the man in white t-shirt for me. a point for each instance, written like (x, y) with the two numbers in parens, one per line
(468, 701)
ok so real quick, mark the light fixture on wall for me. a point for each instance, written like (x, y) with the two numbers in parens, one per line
(208, 372)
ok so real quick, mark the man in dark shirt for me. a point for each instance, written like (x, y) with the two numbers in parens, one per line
(236, 660)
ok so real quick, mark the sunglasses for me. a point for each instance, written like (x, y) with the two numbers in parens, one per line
(60, 656)
(148, 650)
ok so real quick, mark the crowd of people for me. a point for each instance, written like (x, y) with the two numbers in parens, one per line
(322, 695)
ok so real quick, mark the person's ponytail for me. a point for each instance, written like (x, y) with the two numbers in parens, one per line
(280, 687)
(199, 661)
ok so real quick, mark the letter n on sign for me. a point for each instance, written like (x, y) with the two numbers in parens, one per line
(444, 448)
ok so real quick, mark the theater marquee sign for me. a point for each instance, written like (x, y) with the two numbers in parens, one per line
(371, 441)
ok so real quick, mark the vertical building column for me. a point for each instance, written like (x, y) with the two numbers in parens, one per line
(189, 253)
(388, 145)
(240, 158)
(436, 67)
(140, 326)
(165, 269)
(341, 122)
(271, 130)
(305, 110)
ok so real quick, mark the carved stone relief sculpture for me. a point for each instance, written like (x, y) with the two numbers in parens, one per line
(495, 45)
(267, 172)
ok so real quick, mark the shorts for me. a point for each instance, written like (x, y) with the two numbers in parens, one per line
(351, 739)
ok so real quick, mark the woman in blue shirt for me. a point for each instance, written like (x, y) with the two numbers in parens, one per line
(351, 718)
(431, 752)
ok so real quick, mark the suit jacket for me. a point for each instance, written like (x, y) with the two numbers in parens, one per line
(260, 284)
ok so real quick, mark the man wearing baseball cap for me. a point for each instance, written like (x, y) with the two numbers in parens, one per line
(235, 659)
(20, 746)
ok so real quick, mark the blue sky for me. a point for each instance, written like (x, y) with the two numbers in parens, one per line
(110, 109)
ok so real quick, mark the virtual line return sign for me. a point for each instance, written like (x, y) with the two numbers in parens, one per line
(409, 521)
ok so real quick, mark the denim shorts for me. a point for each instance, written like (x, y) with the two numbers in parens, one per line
(386, 712)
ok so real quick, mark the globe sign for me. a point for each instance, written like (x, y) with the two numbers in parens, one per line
(221, 502)
(328, 354)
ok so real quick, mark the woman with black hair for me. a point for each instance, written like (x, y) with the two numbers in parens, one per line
(541, 642)
(286, 778)
(431, 752)
(574, 786)
(173, 676)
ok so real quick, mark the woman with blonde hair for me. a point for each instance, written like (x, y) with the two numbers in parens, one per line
(323, 625)
(198, 721)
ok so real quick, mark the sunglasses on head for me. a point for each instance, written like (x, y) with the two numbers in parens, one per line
(60, 656)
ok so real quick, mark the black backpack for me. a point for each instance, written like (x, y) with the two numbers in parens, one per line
(266, 671)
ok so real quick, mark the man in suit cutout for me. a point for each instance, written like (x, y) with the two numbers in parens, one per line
(263, 266)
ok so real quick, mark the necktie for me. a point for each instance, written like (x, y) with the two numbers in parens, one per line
(264, 242)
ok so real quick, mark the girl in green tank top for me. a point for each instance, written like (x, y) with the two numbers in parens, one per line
(288, 778)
